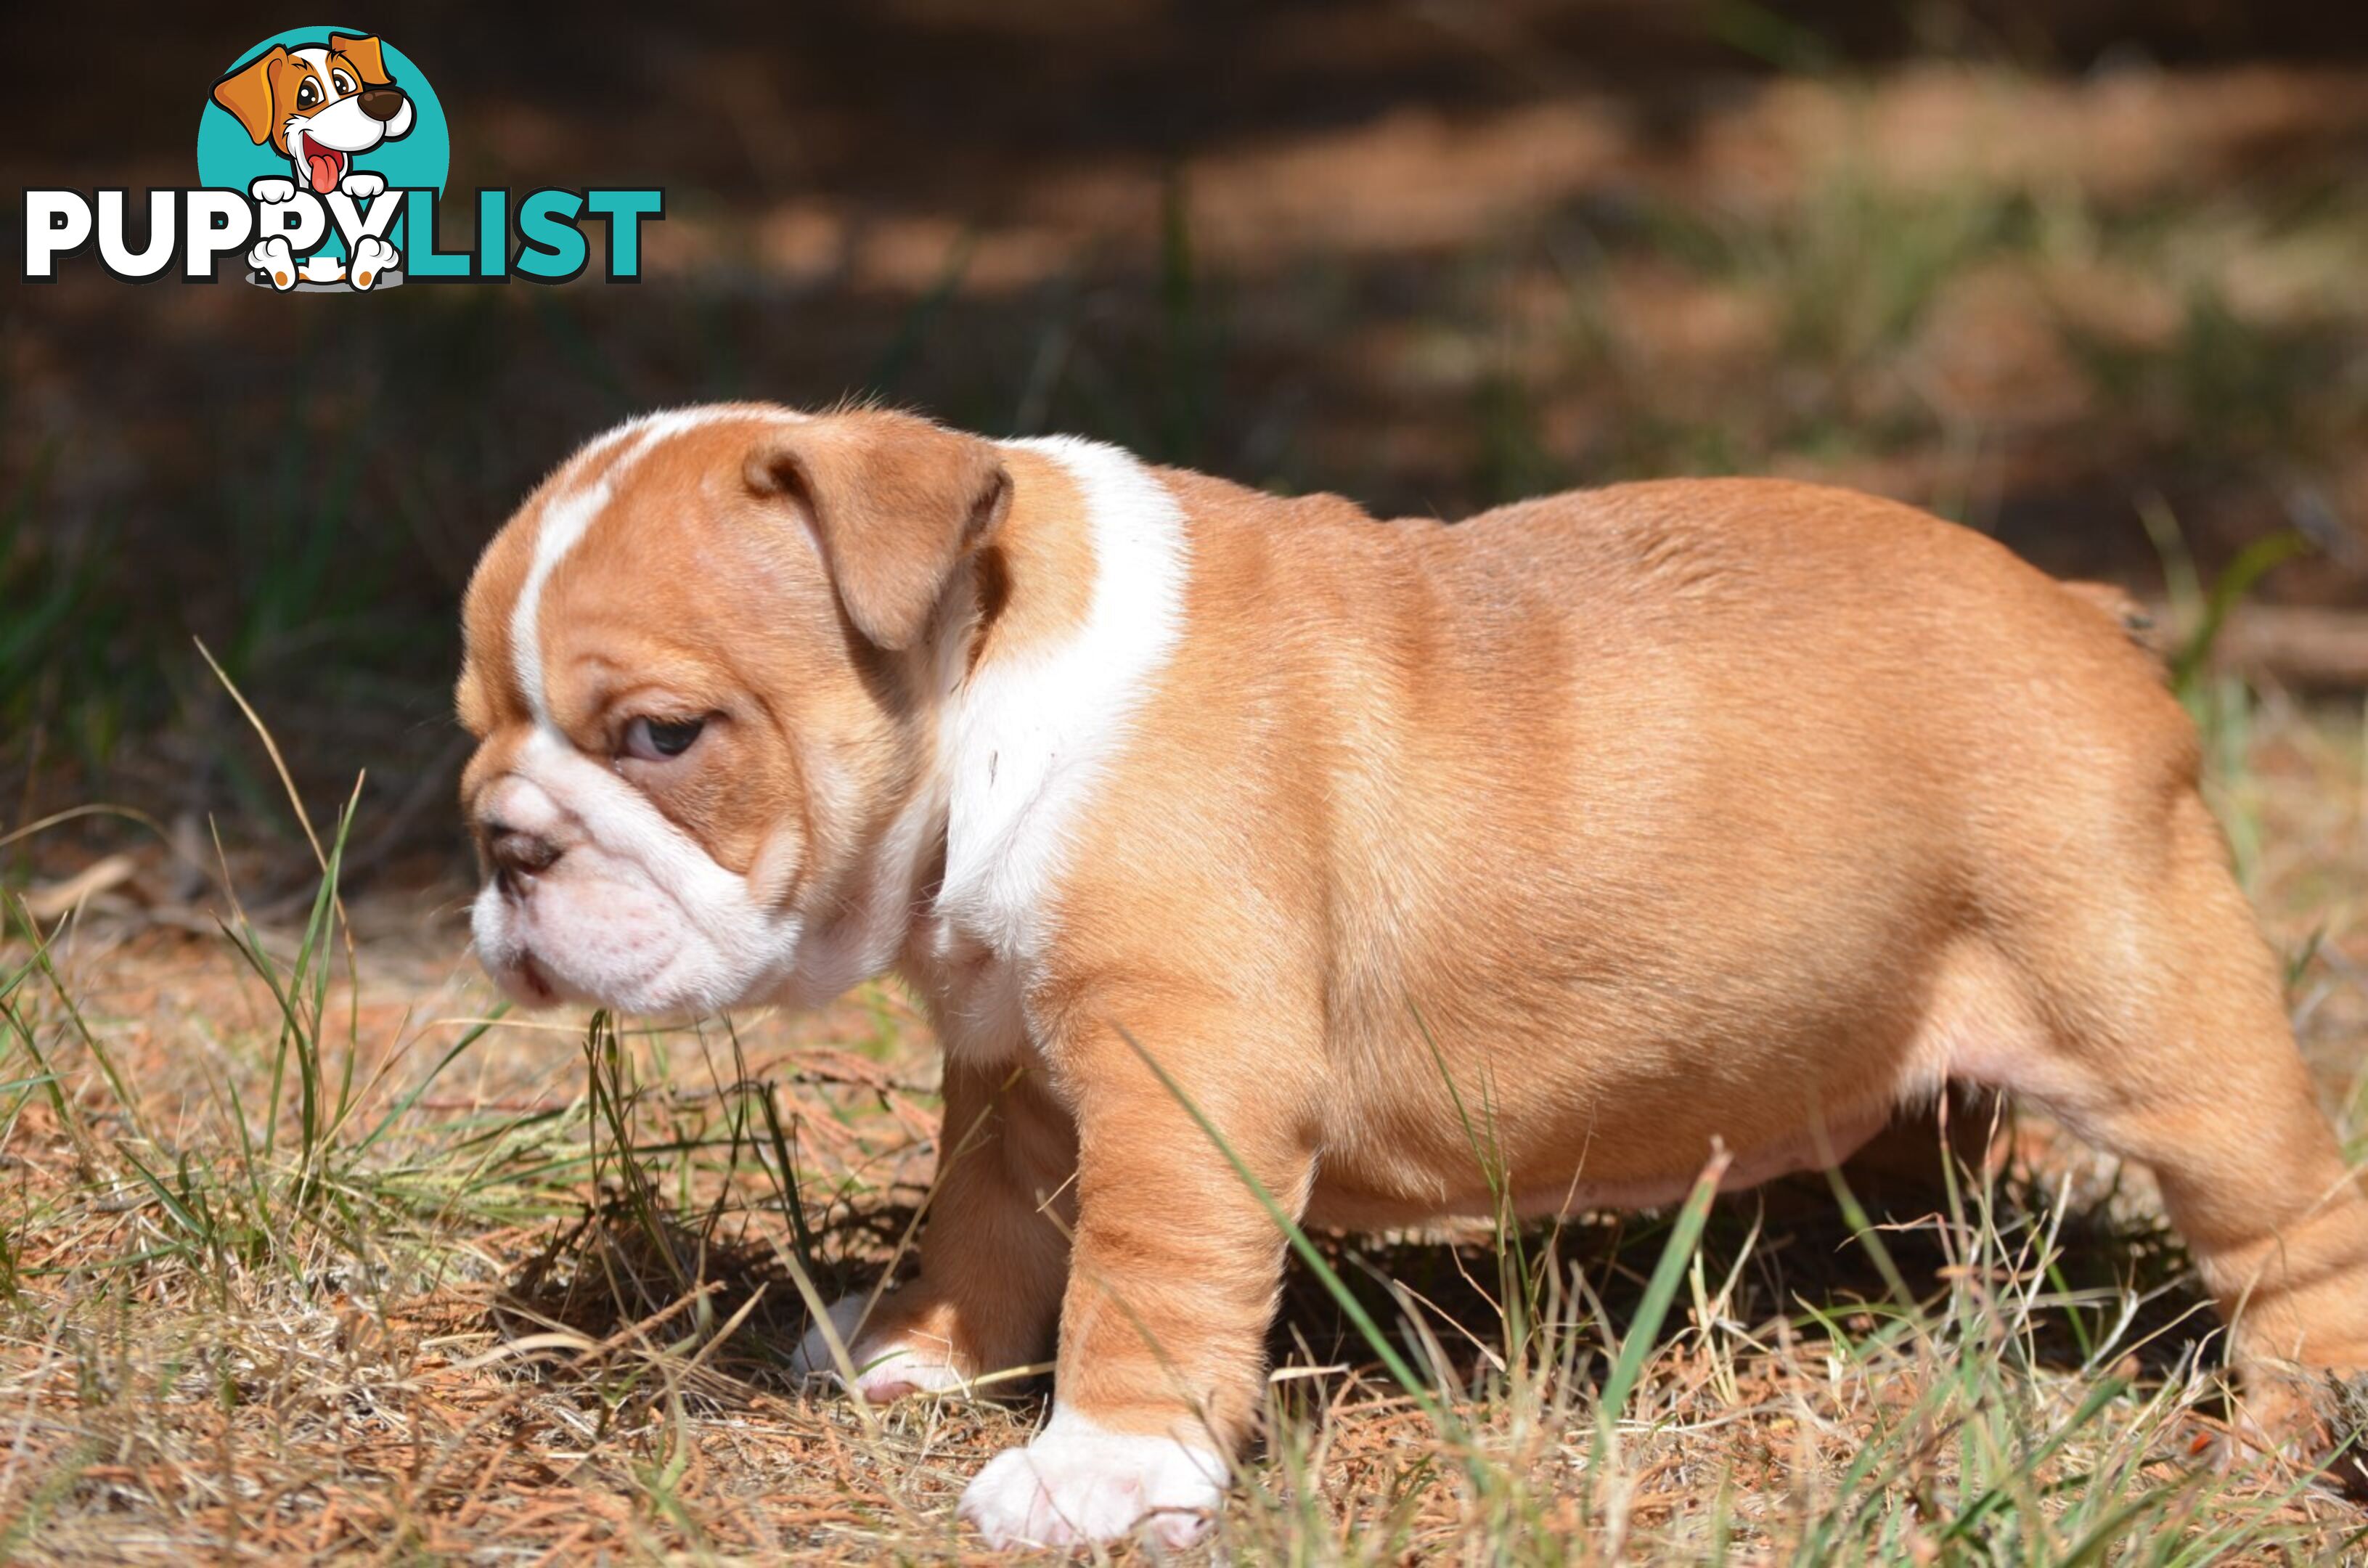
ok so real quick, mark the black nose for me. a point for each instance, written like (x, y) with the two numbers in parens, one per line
(381, 103)
(516, 855)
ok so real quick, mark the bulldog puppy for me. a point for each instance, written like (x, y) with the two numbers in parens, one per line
(1644, 820)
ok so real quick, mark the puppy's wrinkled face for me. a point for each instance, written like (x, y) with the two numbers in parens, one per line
(676, 740)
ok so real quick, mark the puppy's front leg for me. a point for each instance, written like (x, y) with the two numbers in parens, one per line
(994, 1256)
(1174, 1267)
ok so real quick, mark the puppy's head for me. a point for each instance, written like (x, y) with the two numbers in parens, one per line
(701, 666)
(319, 106)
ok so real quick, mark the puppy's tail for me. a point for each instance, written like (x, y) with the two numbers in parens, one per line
(2115, 603)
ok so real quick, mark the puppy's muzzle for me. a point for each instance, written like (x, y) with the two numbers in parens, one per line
(517, 856)
(383, 104)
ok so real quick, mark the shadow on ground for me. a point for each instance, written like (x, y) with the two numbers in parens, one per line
(633, 1280)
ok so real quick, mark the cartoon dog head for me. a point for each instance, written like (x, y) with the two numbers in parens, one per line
(320, 106)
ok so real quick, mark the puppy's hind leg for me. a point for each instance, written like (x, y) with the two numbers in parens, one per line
(2172, 1048)
(994, 1254)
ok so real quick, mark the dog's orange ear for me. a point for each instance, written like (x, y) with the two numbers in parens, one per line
(246, 93)
(369, 60)
(897, 504)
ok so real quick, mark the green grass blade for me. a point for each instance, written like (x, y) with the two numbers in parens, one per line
(1645, 1328)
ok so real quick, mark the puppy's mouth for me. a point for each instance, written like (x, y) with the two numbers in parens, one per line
(517, 970)
(534, 983)
(324, 167)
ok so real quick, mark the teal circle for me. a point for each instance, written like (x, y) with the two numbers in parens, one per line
(421, 157)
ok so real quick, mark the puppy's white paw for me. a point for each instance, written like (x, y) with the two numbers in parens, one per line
(374, 259)
(886, 1368)
(272, 258)
(323, 270)
(361, 187)
(272, 192)
(1077, 1483)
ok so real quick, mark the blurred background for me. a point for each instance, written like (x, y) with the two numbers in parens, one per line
(2086, 275)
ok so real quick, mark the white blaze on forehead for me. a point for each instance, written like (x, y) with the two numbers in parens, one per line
(569, 514)
(1032, 734)
(565, 519)
(318, 58)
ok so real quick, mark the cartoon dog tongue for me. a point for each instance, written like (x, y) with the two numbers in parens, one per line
(323, 163)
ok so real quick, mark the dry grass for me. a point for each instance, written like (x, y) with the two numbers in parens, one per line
(305, 1257)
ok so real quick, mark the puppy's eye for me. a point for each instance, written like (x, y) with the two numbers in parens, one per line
(342, 83)
(657, 740)
(307, 95)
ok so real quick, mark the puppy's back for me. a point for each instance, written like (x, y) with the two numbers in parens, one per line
(1833, 690)
(1825, 601)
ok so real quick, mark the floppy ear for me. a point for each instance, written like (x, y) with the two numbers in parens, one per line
(246, 93)
(897, 503)
(369, 59)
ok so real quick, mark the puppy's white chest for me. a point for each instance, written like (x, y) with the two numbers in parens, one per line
(1027, 742)
(977, 995)
(1032, 734)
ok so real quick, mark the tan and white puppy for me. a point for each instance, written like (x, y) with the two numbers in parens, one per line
(320, 107)
(1674, 815)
